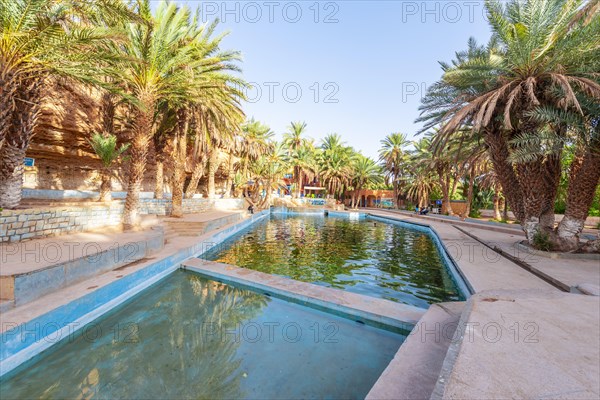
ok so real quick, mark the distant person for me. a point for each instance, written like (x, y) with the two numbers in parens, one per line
(416, 209)
(251, 209)
(424, 211)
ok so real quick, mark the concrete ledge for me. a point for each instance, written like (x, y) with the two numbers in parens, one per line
(380, 311)
(556, 255)
(414, 371)
(34, 284)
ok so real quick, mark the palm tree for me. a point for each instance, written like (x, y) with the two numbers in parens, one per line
(159, 63)
(537, 47)
(256, 141)
(267, 174)
(420, 179)
(392, 157)
(365, 172)
(105, 146)
(40, 40)
(293, 140)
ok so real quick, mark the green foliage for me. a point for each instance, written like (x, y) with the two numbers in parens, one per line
(541, 241)
(105, 146)
(474, 213)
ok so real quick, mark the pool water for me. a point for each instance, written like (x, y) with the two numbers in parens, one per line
(189, 337)
(362, 256)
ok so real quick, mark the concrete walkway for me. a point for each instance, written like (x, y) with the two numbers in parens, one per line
(524, 345)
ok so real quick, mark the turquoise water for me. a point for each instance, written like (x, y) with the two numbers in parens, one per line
(187, 337)
(367, 257)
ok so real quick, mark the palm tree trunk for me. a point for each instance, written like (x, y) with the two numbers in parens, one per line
(11, 174)
(179, 156)
(539, 180)
(470, 192)
(159, 188)
(105, 185)
(213, 165)
(8, 87)
(229, 181)
(499, 153)
(497, 213)
(197, 173)
(446, 207)
(142, 136)
(583, 182)
(23, 121)
(395, 192)
(298, 181)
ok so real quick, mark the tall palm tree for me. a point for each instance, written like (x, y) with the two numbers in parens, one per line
(160, 60)
(216, 121)
(293, 140)
(40, 40)
(392, 157)
(364, 172)
(266, 174)
(420, 179)
(256, 141)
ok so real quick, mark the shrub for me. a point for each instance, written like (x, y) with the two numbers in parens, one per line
(541, 241)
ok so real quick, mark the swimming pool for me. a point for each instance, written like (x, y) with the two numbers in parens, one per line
(190, 337)
(362, 255)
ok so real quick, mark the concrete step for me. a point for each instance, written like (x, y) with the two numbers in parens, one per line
(414, 371)
(42, 266)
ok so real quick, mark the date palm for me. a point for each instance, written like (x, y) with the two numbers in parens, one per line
(216, 120)
(293, 140)
(105, 146)
(538, 46)
(40, 40)
(364, 172)
(161, 55)
(393, 158)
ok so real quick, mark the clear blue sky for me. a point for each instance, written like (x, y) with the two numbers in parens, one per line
(370, 60)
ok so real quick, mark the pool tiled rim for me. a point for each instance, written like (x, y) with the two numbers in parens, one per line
(378, 312)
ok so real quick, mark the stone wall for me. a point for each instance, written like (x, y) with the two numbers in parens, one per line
(21, 225)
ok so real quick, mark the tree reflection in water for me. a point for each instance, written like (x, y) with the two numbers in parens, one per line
(154, 347)
(372, 258)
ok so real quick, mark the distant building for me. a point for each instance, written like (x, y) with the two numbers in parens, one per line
(372, 198)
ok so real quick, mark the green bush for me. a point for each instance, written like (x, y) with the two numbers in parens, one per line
(541, 241)
(474, 213)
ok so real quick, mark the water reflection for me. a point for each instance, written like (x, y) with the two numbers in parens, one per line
(156, 346)
(373, 258)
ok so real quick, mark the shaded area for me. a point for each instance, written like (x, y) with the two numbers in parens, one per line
(188, 337)
(372, 258)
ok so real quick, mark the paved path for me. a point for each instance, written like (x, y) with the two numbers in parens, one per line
(524, 345)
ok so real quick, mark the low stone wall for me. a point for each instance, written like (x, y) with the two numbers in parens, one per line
(20, 225)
